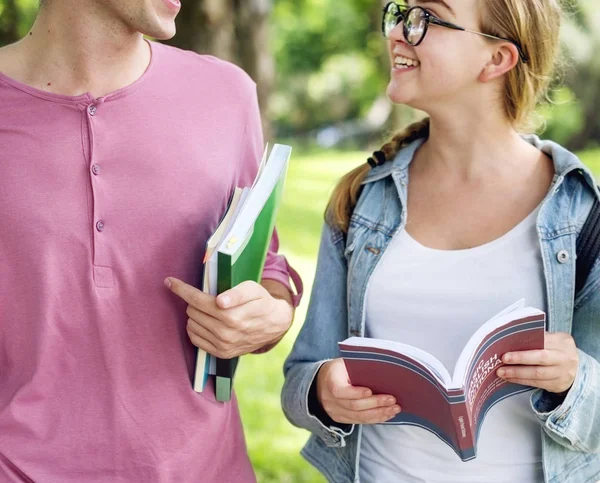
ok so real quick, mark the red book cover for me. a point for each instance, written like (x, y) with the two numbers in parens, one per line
(451, 407)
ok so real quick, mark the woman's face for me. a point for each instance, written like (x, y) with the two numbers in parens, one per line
(446, 65)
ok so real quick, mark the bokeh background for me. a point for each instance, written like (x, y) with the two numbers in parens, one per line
(321, 68)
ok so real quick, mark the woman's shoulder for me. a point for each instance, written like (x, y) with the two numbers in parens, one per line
(398, 164)
(565, 161)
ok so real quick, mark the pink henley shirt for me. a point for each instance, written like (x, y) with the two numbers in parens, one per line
(100, 200)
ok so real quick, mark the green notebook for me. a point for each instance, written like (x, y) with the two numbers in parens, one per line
(242, 252)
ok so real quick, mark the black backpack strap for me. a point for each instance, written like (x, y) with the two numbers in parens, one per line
(588, 246)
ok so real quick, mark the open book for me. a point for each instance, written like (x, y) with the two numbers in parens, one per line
(451, 406)
(237, 251)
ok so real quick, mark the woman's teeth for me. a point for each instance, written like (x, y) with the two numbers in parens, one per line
(405, 62)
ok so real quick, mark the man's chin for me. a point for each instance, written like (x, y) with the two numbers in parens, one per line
(161, 33)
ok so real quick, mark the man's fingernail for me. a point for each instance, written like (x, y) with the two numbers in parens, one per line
(225, 300)
(390, 400)
(508, 357)
(168, 283)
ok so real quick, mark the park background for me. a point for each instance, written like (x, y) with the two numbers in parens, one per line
(321, 69)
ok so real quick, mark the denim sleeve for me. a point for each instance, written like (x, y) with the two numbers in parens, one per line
(326, 324)
(575, 421)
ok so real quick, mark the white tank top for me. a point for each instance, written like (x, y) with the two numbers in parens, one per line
(435, 300)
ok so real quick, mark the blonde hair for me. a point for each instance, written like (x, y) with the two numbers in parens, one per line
(535, 25)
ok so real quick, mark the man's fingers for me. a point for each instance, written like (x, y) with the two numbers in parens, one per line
(194, 297)
(200, 319)
(202, 339)
(241, 294)
(211, 343)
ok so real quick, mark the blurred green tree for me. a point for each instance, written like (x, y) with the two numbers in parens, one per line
(10, 17)
(581, 40)
(323, 62)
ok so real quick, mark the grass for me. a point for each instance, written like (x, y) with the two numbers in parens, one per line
(273, 443)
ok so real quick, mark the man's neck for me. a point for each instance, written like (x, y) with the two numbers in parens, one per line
(73, 50)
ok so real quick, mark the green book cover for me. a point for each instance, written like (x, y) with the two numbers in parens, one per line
(241, 256)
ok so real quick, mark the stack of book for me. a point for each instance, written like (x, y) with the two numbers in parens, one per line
(237, 250)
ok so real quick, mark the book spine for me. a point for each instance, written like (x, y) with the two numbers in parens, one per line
(464, 432)
(224, 367)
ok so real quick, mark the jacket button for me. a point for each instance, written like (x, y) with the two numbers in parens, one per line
(562, 256)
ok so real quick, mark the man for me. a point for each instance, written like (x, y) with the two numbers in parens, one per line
(117, 160)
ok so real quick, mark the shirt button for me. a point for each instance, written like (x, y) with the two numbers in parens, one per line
(100, 226)
(562, 256)
(92, 110)
(96, 169)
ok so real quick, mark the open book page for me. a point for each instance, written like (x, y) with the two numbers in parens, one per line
(483, 388)
(212, 263)
(262, 164)
(274, 170)
(218, 235)
(434, 365)
(469, 352)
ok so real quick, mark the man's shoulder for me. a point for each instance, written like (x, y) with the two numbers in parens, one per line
(204, 67)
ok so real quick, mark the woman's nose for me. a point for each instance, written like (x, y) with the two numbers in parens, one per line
(397, 33)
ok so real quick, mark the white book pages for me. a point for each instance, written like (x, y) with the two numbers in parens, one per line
(425, 358)
(275, 166)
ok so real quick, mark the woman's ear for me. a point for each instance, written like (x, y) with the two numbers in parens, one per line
(504, 59)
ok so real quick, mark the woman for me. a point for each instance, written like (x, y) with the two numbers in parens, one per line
(454, 219)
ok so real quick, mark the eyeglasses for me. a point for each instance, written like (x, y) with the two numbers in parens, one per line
(417, 20)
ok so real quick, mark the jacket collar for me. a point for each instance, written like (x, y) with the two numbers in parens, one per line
(564, 161)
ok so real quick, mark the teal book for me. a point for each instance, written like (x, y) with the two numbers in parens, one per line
(241, 253)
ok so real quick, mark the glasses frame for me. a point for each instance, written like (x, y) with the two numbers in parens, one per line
(404, 11)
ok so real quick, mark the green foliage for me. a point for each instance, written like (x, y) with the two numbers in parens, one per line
(563, 116)
(327, 55)
(16, 18)
(591, 158)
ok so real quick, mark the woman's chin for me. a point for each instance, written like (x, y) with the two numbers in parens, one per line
(399, 96)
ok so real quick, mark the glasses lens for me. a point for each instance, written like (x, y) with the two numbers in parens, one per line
(415, 25)
(391, 18)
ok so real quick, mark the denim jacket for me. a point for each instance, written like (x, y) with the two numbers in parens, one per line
(570, 428)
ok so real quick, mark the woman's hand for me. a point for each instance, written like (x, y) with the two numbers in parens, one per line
(553, 368)
(347, 404)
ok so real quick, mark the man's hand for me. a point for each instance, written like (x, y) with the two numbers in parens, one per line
(349, 404)
(238, 321)
(553, 369)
